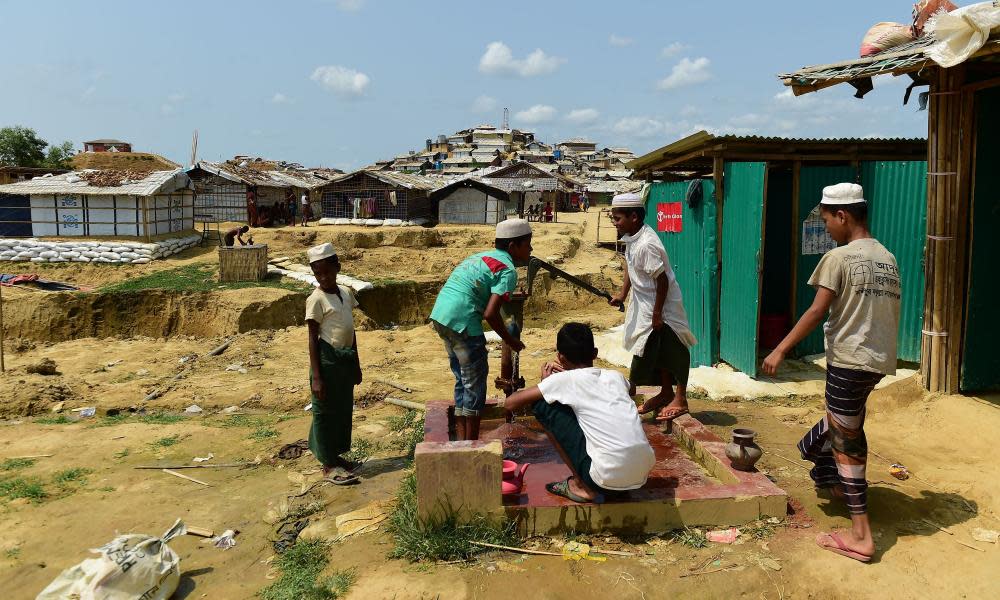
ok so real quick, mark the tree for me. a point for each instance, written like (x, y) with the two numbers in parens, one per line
(21, 147)
(59, 156)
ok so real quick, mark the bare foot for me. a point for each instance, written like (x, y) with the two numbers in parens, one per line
(578, 489)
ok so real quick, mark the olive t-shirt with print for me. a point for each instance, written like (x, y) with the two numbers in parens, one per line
(864, 317)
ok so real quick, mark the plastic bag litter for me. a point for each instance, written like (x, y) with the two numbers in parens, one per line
(130, 566)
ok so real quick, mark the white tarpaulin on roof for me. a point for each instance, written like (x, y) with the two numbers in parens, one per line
(962, 32)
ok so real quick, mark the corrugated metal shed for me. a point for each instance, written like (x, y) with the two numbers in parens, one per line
(157, 182)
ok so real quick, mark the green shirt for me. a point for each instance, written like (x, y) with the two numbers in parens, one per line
(462, 300)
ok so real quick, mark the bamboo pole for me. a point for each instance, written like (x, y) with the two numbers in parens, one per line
(961, 246)
(3, 367)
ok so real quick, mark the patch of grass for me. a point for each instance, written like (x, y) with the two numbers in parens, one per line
(410, 425)
(692, 538)
(107, 488)
(198, 277)
(242, 421)
(56, 420)
(13, 464)
(160, 418)
(759, 530)
(121, 454)
(20, 487)
(72, 475)
(403, 421)
(301, 512)
(283, 418)
(446, 539)
(263, 433)
(111, 420)
(362, 449)
(300, 567)
(12, 553)
(166, 442)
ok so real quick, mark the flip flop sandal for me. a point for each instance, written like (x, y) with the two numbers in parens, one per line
(655, 406)
(672, 413)
(340, 476)
(561, 488)
(351, 466)
(841, 548)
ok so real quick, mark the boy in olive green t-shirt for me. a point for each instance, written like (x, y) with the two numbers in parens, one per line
(858, 284)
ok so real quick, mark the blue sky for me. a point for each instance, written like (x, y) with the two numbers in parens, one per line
(345, 82)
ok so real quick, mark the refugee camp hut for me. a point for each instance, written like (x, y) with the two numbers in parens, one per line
(372, 196)
(219, 195)
(744, 247)
(472, 200)
(14, 174)
(961, 322)
(97, 203)
(531, 185)
(600, 192)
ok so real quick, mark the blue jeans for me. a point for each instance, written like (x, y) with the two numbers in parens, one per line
(467, 358)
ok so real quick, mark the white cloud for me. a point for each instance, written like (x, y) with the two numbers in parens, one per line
(539, 113)
(499, 60)
(640, 127)
(280, 98)
(686, 72)
(484, 104)
(88, 93)
(689, 110)
(582, 116)
(170, 106)
(620, 40)
(673, 50)
(341, 80)
(350, 5)
(749, 120)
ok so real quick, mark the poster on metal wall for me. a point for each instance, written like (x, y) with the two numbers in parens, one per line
(815, 239)
(668, 217)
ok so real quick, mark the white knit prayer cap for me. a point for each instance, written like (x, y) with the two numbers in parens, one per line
(843, 193)
(627, 200)
(317, 253)
(512, 228)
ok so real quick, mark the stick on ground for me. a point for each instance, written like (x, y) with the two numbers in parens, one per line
(176, 474)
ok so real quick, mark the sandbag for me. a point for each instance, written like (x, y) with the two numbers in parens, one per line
(128, 567)
(48, 254)
(962, 32)
(39, 259)
(883, 36)
(140, 261)
(110, 255)
(923, 10)
(393, 222)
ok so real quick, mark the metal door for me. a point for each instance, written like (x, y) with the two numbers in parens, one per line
(812, 180)
(896, 192)
(693, 256)
(980, 359)
(742, 241)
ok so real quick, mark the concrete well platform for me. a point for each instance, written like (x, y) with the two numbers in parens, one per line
(691, 484)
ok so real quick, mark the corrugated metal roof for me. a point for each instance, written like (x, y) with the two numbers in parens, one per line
(612, 187)
(701, 139)
(156, 182)
(905, 58)
(410, 181)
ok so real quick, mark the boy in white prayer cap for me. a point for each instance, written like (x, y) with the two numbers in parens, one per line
(334, 368)
(474, 292)
(858, 283)
(656, 325)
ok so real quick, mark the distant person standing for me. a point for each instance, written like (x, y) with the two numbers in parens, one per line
(305, 208)
(293, 210)
(548, 212)
(252, 217)
(585, 202)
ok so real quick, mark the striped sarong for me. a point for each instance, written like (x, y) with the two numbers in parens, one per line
(837, 445)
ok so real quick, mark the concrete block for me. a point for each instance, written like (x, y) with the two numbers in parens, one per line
(460, 477)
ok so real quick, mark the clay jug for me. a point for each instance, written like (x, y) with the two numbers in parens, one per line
(513, 484)
(742, 452)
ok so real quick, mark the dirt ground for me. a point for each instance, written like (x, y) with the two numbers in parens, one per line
(947, 442)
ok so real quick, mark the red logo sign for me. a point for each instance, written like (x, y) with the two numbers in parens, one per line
(668, 217)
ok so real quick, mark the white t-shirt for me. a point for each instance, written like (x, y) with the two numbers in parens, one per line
(336, 321)
(305, 199)
(618, 448)
(646, 258)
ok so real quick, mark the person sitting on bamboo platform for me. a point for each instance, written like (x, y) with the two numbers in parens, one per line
(474, 292)
(591, 419)
(236, 233)
(334, 367)
(858, 283)
(656, 325)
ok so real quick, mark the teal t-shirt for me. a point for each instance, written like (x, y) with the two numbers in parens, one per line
(462, 300)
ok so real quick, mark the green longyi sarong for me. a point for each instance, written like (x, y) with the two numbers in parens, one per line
(330, 434)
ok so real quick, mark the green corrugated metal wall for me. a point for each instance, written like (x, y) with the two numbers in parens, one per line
(980, 360)
(896, 192)
(742, 235)
(694, 259)
(812, 180)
